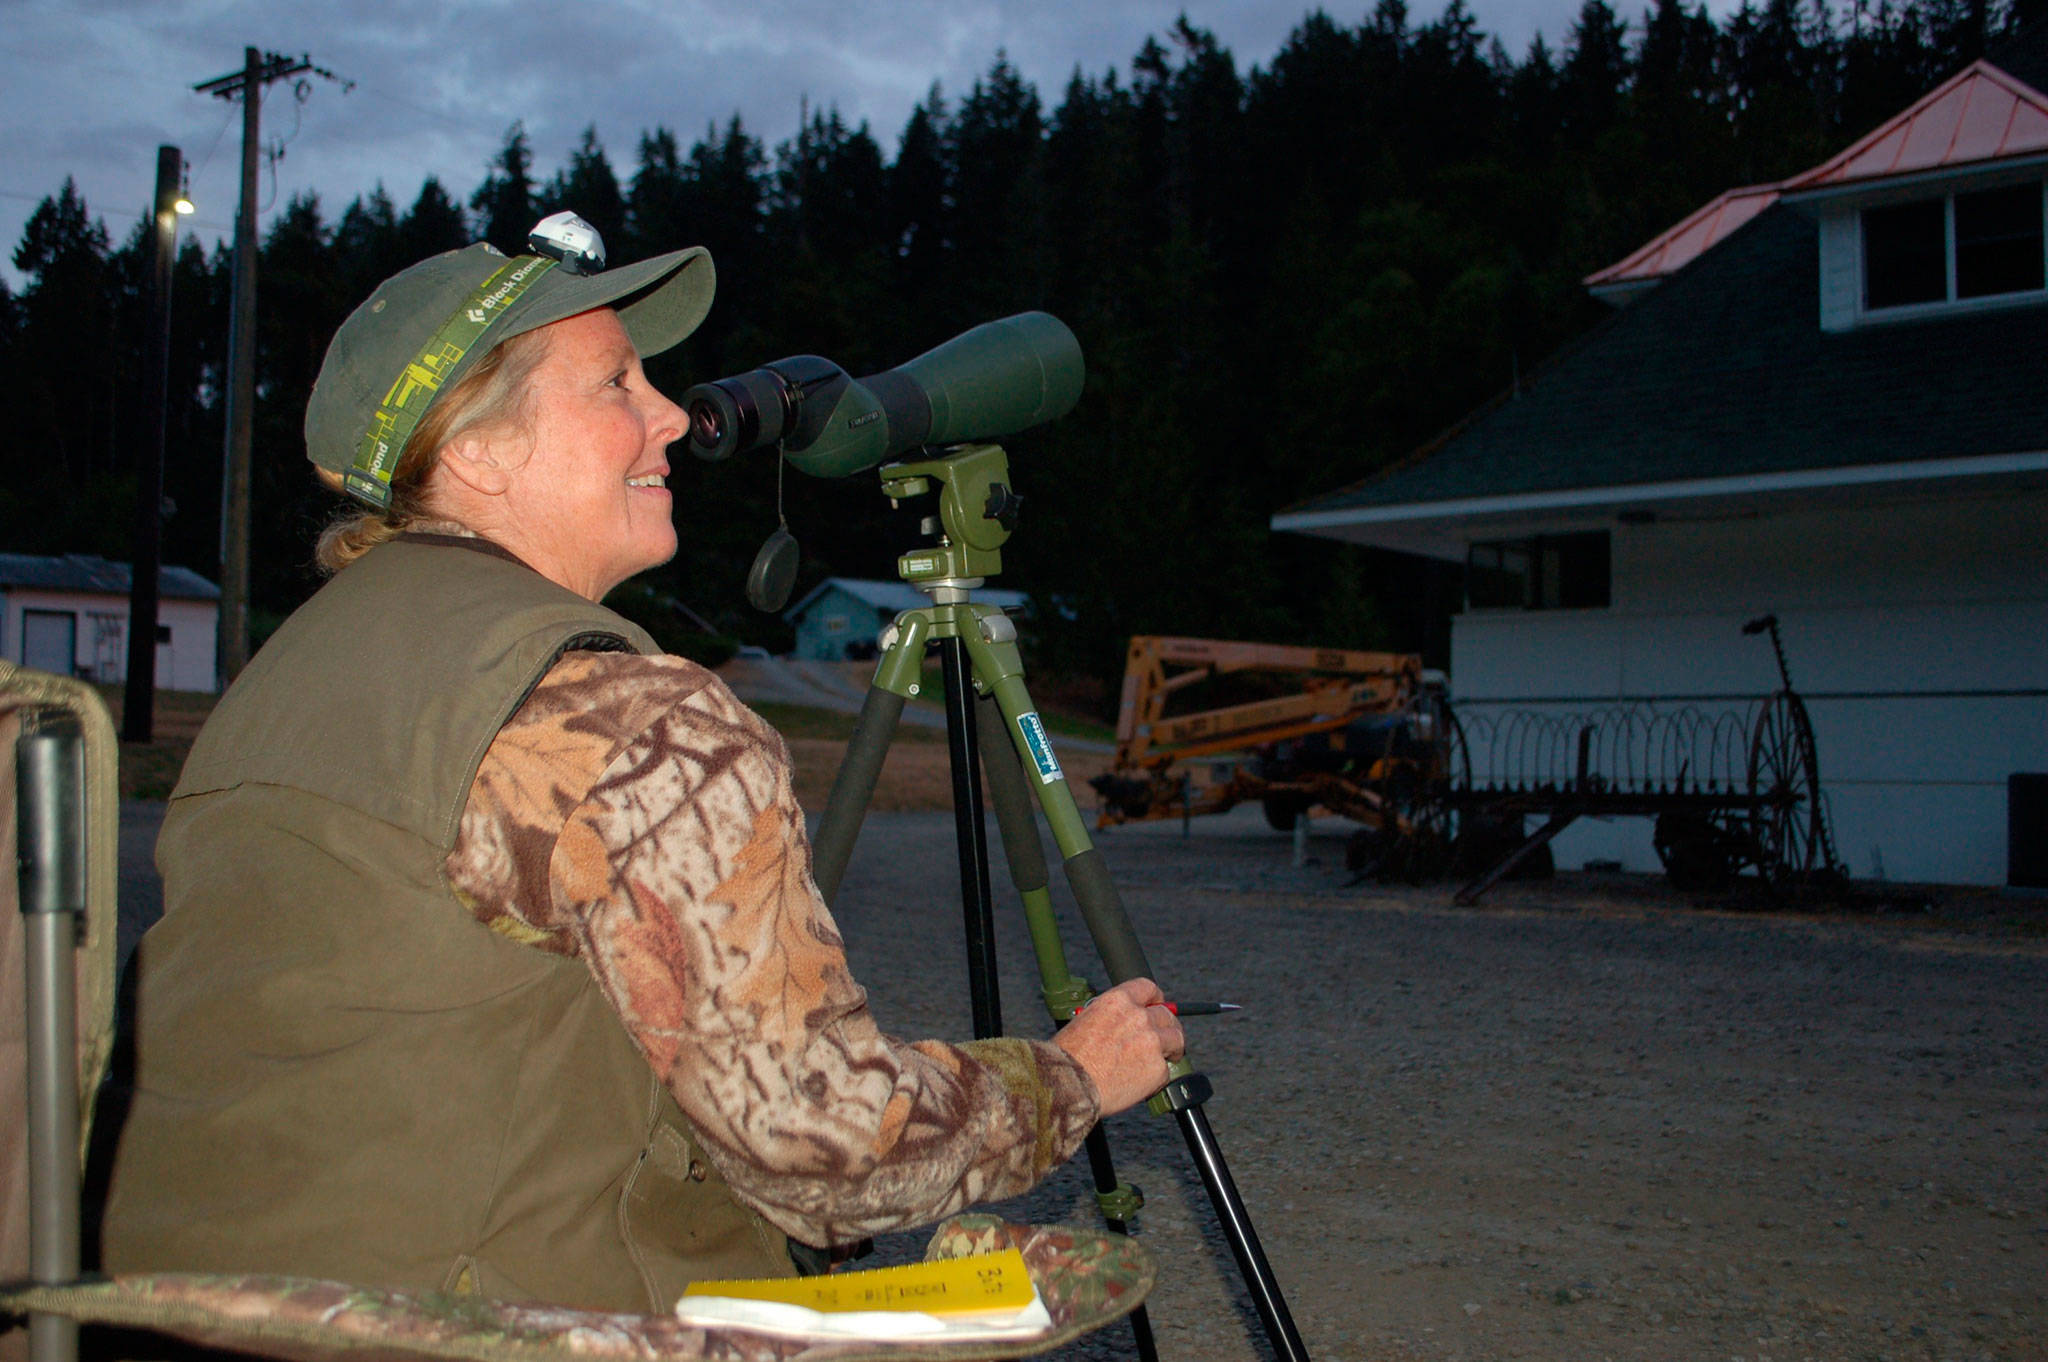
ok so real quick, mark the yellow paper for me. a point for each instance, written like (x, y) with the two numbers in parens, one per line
(986, 1284)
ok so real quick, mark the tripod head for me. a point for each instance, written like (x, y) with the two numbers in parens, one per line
(977, 512)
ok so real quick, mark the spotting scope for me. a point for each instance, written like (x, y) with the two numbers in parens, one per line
(999, 378)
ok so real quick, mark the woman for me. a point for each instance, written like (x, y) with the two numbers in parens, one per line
(491, 958)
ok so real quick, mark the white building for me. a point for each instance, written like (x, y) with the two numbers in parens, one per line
(69, 615)
(843, 617)
(1825, 399)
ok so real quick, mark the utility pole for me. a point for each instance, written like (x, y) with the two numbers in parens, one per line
(139, 698)
(258, 70)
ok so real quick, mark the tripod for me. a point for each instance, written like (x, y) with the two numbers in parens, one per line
(990, 712)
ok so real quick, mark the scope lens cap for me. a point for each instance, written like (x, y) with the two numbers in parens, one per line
(773, 575)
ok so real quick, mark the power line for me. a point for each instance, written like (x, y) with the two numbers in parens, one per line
(214, 146)
(116, 215)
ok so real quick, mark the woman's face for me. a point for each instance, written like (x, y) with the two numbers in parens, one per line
(587, 507)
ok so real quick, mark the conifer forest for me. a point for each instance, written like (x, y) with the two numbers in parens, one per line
(1283, 276)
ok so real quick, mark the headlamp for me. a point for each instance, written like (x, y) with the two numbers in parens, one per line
(571, 241)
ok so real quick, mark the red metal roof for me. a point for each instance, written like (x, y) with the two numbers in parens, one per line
(1979, 114)
(1678, 246)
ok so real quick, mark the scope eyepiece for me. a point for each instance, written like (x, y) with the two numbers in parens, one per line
(723, 419)
(787, 402)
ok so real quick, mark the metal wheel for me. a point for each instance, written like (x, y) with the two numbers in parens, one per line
(1452, 777)
(1784, 777)
(1282, 809)
(1426, 796)
(1412, 823)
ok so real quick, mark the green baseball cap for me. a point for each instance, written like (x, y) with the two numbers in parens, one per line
(424, 326)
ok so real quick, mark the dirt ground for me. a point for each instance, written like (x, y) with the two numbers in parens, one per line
(1585, 1120)
(916, 774)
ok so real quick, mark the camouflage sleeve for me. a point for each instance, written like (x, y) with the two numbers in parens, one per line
(636, 814)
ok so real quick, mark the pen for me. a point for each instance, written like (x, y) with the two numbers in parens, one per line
(1190, 1009)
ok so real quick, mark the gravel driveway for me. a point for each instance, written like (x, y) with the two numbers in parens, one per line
(1583, 1121)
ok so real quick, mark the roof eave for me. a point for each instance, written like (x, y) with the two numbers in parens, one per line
(1813, 202)
(1438, 528)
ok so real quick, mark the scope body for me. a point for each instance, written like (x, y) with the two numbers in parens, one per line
(996, 379)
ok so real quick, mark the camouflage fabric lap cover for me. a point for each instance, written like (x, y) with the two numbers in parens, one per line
(1087, 1278)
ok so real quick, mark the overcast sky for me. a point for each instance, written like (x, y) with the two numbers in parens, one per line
(90, 88)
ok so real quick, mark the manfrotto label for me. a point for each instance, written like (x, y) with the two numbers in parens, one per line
(1041, 751)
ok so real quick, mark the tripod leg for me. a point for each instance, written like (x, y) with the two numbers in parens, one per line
(1063, 992)
(852, 788)
(971, 833)
(1026, 858)
(1237, 1229)
(1117, 942)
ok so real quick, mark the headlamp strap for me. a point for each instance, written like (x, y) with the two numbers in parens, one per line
(377, 453)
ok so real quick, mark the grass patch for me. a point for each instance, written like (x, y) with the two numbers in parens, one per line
(802, 721)
(1064, 723)
(1078, 726)
(149, 770)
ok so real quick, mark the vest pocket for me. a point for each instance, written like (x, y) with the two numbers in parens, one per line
(682, 1223)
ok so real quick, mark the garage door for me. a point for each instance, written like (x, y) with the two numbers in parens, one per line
(49, 640)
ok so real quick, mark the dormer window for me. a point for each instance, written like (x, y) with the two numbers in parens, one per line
(1955, 248)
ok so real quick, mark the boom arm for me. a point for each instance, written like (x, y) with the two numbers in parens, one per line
(1340, 686)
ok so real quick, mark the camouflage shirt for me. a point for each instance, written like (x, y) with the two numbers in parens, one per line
(635, 814)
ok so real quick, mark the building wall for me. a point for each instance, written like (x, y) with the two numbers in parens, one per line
(101, 649)
(1917, 634)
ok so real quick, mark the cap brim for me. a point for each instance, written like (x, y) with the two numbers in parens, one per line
(660, 301)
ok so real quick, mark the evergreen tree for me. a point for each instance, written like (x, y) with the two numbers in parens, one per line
(828, 231)
(656, 204)
(302, 303)
(367, 245)
(725, 180)
(921, 204)
(503, 203)
(1596, 73)
(66, 345)
(433, 224)
(997, 199)
(194, 437)
(588, 188)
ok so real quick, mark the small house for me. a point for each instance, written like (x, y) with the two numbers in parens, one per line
(842, 617)
(69, 615)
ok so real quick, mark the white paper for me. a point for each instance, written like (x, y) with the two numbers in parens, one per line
(778, 1317)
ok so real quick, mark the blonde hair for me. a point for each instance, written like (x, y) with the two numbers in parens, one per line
(493, 393)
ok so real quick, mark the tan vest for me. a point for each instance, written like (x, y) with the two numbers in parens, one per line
(341, 1073)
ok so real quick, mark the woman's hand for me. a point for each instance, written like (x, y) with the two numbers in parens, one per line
(1123, 1040)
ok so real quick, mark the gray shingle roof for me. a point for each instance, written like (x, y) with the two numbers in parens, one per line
(897, 596)
(83, 572)
(1723, 371)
